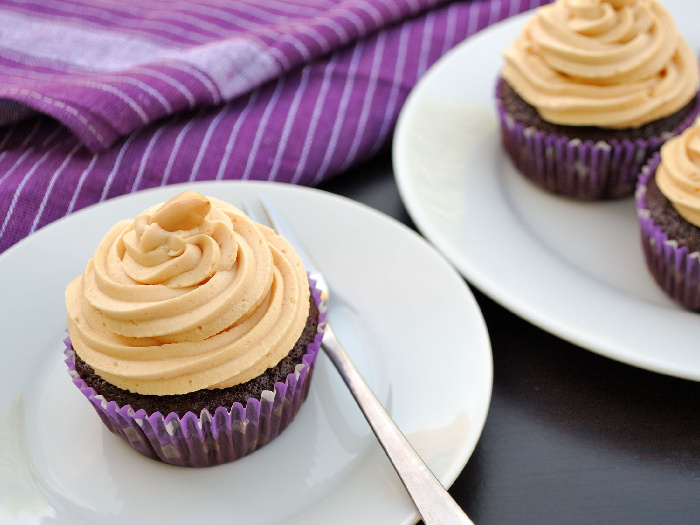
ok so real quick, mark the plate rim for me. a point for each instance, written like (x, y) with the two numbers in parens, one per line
(466, 449)
(476, 275)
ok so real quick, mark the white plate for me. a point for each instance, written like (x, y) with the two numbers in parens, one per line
(406, 317)
(575, 269)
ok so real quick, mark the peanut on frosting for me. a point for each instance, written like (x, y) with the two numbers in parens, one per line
(606, 63)
(678, 173)
(190, 294)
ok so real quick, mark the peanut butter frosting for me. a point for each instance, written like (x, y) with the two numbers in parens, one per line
(190, 294)
(678, 173)
(605, 63)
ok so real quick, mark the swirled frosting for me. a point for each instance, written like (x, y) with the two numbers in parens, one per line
(605, 63)
(187, 296)
(678, 173)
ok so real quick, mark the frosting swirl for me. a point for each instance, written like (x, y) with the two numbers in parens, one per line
(678, 173)
(187, 296)
(605, 63)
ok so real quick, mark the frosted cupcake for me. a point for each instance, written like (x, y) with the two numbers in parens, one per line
(193, 331)
(668, 206)
(590, 89)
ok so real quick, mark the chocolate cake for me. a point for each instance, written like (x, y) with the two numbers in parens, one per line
(521, 111)
(665, 215)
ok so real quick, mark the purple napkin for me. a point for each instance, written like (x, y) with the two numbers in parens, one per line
(104, 97)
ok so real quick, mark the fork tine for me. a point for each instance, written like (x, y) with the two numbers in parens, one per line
(274, 219)
(283, 229)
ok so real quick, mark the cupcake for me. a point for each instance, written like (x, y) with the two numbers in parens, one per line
(668, 207)
(590, 89)
(193, 331)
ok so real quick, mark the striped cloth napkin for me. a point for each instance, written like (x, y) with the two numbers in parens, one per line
(99, 98)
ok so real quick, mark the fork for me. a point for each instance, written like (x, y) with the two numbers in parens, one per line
(433, 502)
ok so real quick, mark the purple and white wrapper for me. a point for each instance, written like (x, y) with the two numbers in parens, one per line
(209, 439)
(579, 169)
(675, 268)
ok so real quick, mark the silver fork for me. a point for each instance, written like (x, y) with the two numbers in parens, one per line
(434, 503)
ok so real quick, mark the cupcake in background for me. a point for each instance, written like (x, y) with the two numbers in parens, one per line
(193, 331)
(590, 89)
(668, 207)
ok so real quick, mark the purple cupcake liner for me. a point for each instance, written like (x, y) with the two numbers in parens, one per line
(675, 269)
(209, 439)
(582, 170)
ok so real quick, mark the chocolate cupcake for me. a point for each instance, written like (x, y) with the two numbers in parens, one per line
(590, 90)
(668, 207)
(194, 331)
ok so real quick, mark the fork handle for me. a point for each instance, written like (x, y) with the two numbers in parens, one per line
(434, 503)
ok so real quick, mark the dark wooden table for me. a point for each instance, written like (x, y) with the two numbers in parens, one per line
(571, 437)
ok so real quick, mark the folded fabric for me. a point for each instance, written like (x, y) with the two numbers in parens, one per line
(103, 98)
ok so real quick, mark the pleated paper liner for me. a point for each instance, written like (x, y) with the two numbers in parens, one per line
(674, 268)
(206, 439)
(583, 170)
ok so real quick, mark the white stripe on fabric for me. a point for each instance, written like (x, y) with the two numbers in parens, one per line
(168, 80)
(428, 28)
(473, 18)
(354, 19)
(115, 168)
(176, 148)
(61, 105)
(340, 114)
(395, 88)
(146, 157)
(315, 115)
(194, 72)
(288, 123)
(143, 87)
(49, 188)
(120, 95)
(373, 12)
(79, 186)
(17, 163)
(391, 5)
(14, 72)
(5, 140)
(494, 10)
(24, 155)
(368, 98)
(55, 133)
(250, 162)
(20, 187)
(514, 8)
(252, 99)
(205, 143)
(231, 64)
(451, 27)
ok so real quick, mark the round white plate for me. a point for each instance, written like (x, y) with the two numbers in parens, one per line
(575, 269)
(405, 316)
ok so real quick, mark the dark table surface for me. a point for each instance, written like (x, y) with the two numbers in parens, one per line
(571, 437)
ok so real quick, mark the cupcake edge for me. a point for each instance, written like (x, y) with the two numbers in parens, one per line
(583, 170)
(674, 268)
(209, 439)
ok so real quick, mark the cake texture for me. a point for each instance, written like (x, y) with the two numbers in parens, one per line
(668, 208)
(590, 90)
(193, 331)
